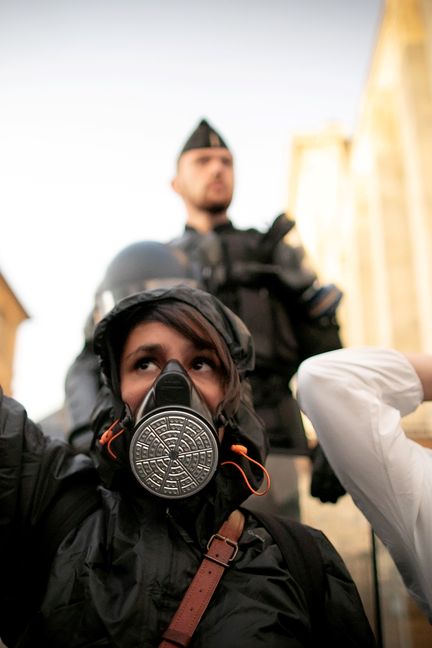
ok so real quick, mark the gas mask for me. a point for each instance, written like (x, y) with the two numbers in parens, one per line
(174, 450)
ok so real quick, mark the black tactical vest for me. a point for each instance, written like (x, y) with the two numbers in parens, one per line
(236, 266)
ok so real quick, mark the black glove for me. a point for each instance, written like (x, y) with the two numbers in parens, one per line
(324, 483)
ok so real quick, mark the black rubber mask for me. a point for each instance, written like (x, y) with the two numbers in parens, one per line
(174, 450)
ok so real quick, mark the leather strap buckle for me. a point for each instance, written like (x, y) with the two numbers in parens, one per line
(218, 537)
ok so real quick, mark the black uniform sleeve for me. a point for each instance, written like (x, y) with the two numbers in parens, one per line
(312, 302)
(316, 336)
(312, 309)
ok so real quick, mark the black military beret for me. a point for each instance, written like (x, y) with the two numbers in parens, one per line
(204, 136)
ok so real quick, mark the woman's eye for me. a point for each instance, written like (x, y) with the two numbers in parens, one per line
(203, 364)
(145, 364)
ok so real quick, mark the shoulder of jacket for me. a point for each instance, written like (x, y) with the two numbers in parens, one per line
(11, 408)
(249, 235)
(332, 560)
(188, 239)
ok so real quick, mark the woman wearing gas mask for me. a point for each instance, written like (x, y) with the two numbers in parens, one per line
(150, 548)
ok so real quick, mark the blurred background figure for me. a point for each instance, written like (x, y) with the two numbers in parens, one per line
(269, 284)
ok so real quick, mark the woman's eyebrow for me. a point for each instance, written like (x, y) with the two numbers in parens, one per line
(146, 348)
(202, 344)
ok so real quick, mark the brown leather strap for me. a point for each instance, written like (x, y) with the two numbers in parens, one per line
(221, 550)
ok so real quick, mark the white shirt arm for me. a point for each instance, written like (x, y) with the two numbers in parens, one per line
(355, 399)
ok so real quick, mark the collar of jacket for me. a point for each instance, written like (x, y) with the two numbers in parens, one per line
(223, 227)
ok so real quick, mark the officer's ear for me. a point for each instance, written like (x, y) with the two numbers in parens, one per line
(175, 184)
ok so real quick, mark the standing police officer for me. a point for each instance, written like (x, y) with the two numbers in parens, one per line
(267, 282)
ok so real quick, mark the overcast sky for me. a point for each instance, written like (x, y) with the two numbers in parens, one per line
(97, 98)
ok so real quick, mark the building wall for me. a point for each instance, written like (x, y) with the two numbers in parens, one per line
(364, 211)
(318, 199)
(392, 155)
(11, 315)
(364, 207)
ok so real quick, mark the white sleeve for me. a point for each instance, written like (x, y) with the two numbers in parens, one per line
(355, 399)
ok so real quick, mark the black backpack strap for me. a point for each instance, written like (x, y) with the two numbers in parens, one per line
(303, 559)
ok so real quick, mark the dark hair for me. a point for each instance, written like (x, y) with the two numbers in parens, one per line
(189, 322)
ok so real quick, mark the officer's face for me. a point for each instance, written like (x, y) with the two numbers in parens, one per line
(148, 348)
(205, 178)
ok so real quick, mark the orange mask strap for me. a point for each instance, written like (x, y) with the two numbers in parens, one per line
(109, 436)
(242, 450)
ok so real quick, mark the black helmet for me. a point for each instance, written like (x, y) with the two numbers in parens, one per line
(142, 266)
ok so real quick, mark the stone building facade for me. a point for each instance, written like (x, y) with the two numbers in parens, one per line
(364, 204)
(12, 313)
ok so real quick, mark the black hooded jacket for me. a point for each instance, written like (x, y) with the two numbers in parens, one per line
(118, 577)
